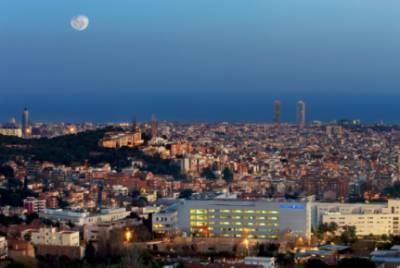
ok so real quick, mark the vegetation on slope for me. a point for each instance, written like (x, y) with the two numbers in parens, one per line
(79, 148)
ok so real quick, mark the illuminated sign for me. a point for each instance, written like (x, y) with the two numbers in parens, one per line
(291, 206)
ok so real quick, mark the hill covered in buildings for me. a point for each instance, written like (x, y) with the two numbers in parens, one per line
(77, 149)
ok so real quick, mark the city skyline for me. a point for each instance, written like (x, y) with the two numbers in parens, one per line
(300, 120)
(238, 108)
(212, 133)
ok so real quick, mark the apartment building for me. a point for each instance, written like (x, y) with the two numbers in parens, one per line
(319, 209)
(34, 205)
(11, 131)
(52, 237)
(377, 219)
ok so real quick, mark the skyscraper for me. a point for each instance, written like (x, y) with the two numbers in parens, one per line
(135, 125)
(301, 113)
(25, 122)
(277, 112)
(154, 127)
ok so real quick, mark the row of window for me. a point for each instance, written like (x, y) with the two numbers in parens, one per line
(230, 229)
(246, 211)
(200, 217)
(198, 234)
(237, 223)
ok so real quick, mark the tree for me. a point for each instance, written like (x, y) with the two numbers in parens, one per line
(393, 191)
(227, 174)
(7, 171)
(285, 259)
(48, 222)
(135, 193)
(324, 228)
(268, 250)
(133, 215)
(316, 263)
(147, 260)
(22, 262)
(137, 258)
(332, 227)
(27, 236)
(355, 262)
(15, 264)
(70, 224)
(90, 253)
(13, 184)
(26, 183)
(208, 173)
(395, 239)
(80, 148)
(391, 240)
(31, 217)
(186, 193)
(142, 233)
(348, 235)
(6, 221)
(142, 201)
(328, 227)
(62, 203)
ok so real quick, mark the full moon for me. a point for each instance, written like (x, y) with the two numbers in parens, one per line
(80, 22)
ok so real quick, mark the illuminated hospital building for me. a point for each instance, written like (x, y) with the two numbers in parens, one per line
(234, 218)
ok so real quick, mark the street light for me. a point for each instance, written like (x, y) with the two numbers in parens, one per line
(128, 235)
(246, 245)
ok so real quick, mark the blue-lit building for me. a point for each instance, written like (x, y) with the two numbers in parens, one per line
(235, 218)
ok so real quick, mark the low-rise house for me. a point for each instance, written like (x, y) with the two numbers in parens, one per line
(3, 247)
(20, 248)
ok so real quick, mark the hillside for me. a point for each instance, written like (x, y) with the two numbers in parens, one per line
(76, 149)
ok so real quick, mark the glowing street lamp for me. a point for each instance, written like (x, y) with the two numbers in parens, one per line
(128, 235)
(246, 243)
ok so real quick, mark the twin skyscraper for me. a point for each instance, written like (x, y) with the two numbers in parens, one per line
(300, 112)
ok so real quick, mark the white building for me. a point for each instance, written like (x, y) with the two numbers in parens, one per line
(102, 231)
(265, 262)
(377, 219)
(319, 209)
(52, 237)
(11, 131)
(258, 219)
(120, 190)
(166, 220)
(144, 212)
(81, 218)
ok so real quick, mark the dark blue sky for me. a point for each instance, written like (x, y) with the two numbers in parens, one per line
(200, 59)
